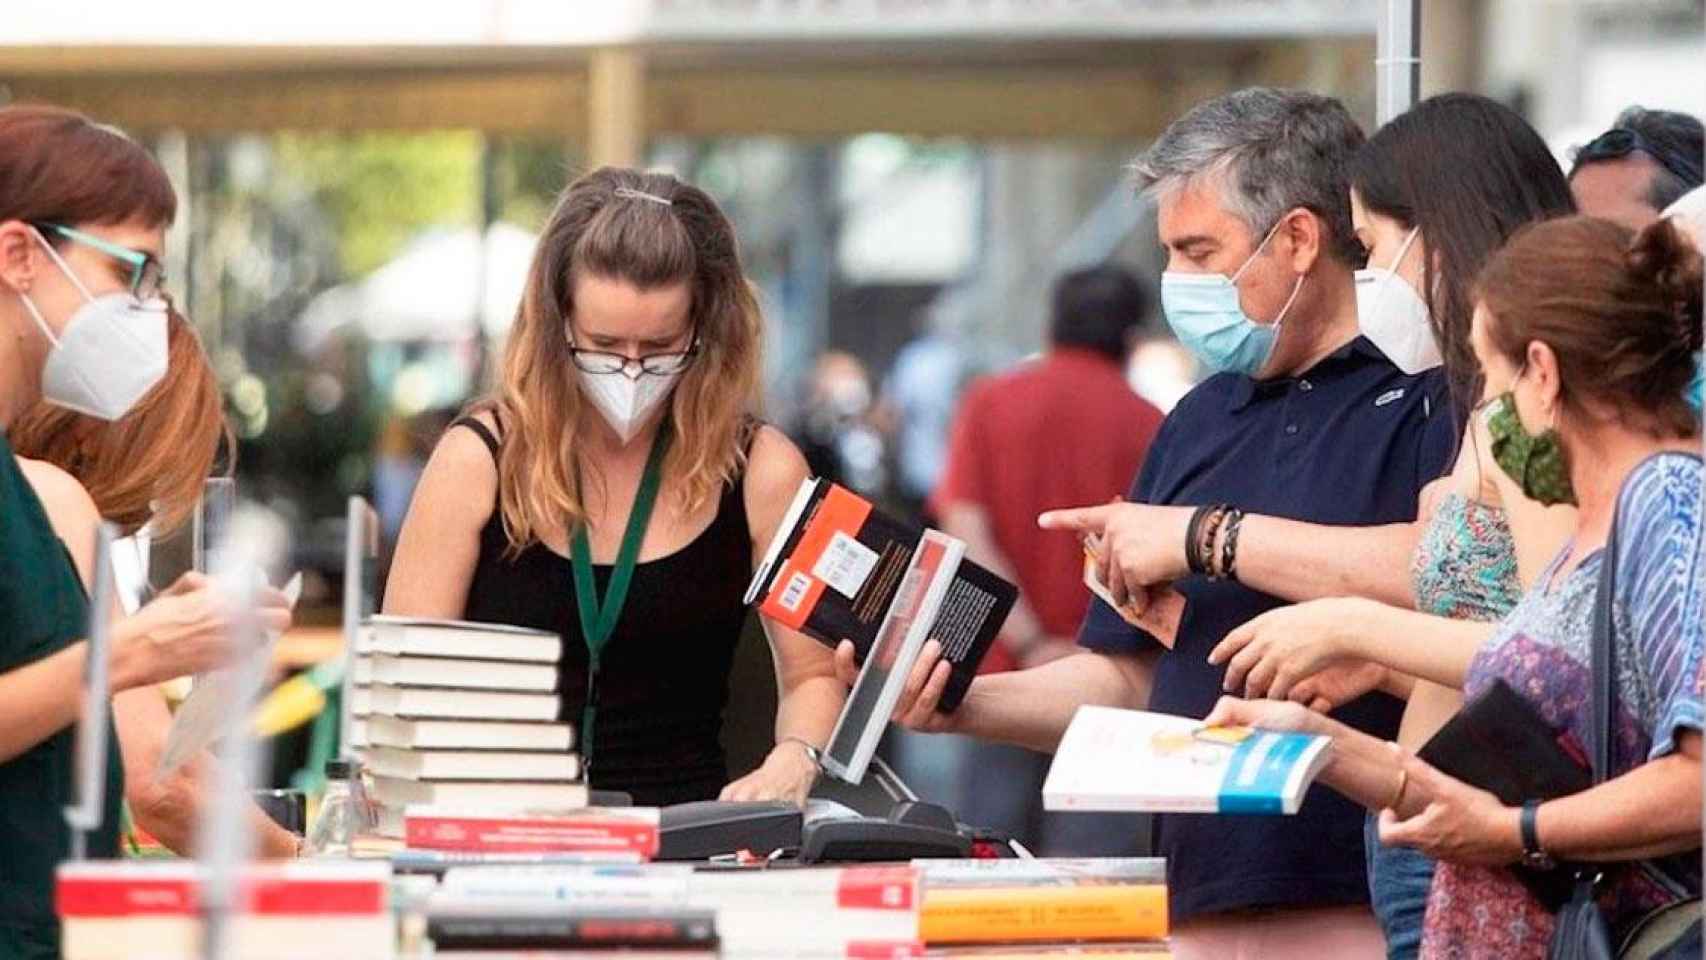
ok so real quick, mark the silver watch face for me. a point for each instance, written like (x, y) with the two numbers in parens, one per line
(1538, 860)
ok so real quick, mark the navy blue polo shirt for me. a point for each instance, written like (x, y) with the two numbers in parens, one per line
(1351, 441)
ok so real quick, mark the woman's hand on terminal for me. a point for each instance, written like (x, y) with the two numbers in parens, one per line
(788, 773)
(188, 628)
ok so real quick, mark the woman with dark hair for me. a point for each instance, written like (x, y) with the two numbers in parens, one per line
(83, 217)
(630, 380)
(1433, 194)
(1586, 334)
(145, 469)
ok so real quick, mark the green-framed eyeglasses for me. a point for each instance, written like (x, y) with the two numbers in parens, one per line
(147, 275)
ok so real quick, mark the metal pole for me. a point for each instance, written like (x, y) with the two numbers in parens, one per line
(1397, 58)
(93, 746)
(361, 549)
(256, 541)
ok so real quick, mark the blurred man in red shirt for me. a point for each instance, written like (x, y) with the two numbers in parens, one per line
(1063, 428)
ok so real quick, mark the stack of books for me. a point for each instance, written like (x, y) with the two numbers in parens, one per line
(118, 910)
(757, 914)
(990, 902)
(461, 715)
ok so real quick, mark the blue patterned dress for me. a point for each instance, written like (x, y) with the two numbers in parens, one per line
(1464, 567)
(1543, 649)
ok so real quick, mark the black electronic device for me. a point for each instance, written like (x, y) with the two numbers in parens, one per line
(713, 828)
(913, 830)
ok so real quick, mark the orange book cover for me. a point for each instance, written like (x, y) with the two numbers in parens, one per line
(1033, 914)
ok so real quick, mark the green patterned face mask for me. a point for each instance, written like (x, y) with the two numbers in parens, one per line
(1535, 461)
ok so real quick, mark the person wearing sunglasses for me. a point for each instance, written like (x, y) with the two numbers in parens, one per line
(1643, 164)
(83, 212)
(618, 491)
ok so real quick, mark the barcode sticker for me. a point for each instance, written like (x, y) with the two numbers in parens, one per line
(845, 564)
(795, 592)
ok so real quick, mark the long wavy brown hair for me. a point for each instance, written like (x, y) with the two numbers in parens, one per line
(147, 467)
(595, 231)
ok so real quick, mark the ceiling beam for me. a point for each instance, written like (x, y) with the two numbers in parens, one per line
(1129, 100)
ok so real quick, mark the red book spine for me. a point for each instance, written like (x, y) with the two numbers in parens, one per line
(180, 896)
(884, 949)
(322, 898)
(500, 835)
(877, 888)
(108, 897)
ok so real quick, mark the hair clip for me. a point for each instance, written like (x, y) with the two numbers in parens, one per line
(633, 194)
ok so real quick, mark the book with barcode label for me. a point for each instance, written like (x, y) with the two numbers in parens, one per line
(1134, 760)
(838, 565)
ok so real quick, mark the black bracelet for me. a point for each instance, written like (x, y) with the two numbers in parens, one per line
(1193, 539)
(1229, 553)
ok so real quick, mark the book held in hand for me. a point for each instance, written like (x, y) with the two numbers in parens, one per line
(838, 567)
(1133, 760)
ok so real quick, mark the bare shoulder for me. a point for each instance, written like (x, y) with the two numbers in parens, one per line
(62, 495)
(460, 480)
(462, 454)
(69, 508)
(775, 466)
(774, 470)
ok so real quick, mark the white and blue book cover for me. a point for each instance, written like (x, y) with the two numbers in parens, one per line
(1133, 760)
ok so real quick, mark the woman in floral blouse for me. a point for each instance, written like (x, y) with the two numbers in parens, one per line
(1587, 336)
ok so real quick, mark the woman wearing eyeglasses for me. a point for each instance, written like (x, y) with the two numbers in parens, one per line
(83, 215)
(617, 490)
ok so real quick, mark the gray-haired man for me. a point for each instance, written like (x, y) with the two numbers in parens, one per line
(1306, 420)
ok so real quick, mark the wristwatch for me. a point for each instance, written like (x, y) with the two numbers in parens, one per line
(1533, 857)
(812, 753)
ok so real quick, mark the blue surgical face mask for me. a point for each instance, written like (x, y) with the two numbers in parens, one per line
(1696, 387)
(1205, 314)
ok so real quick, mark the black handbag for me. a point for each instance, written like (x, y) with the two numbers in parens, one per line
(1671, 932)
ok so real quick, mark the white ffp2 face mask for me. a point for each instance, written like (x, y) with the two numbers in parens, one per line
(626, 402)
(112, 351)
(1394, 317)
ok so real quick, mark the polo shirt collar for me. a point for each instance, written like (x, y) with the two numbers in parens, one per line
(1356, 353)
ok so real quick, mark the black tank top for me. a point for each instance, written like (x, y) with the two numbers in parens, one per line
(664, 678)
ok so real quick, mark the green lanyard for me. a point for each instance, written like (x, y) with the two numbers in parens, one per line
(598, 620)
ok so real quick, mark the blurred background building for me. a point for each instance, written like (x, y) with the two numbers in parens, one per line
(362, 179)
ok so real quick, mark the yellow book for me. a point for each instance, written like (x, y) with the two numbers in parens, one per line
(1042, 913)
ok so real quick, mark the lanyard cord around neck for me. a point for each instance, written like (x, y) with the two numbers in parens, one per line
(598, 619)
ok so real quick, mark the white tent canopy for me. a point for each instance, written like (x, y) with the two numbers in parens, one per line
(432, 291)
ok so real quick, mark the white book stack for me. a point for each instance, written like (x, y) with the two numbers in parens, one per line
(465, 714)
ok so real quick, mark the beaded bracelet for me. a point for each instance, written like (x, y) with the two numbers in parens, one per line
(1229, 552)
(1211, 534)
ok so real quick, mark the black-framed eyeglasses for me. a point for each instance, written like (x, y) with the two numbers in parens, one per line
(656, 364)
(147, 275)
(1621, 141)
